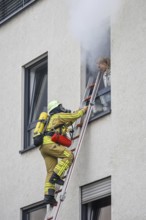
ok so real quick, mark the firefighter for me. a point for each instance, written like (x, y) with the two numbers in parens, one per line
(60, 120)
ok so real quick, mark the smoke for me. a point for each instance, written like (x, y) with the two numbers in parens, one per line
(90, 24)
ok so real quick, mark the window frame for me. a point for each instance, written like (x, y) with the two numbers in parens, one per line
(25, 114)
(17, 11)
(30, 208)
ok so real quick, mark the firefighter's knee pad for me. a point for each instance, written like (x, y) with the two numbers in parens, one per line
(69, 155)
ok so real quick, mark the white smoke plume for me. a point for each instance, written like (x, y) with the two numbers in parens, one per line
(90, 24)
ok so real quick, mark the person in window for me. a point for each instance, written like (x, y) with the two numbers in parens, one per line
(104, 67)
(60, 120)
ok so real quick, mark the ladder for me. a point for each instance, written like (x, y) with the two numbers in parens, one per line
(79, 132)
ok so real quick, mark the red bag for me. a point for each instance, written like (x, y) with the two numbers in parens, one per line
(60, 139)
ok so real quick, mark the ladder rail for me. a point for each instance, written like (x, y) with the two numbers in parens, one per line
(85, 123)
(86, 93)
(83, 130)
(64, 188)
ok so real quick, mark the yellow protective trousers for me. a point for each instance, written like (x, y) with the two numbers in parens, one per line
(51, 153)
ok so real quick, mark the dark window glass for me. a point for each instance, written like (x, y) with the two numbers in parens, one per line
(35, 98)
(97, 210)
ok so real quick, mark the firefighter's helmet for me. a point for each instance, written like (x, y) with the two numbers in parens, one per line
(52, 105)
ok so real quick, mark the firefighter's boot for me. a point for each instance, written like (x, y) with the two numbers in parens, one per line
(56, 179)
(50, 199)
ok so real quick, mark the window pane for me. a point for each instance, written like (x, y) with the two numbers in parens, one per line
(103, 100)
(36, 97)
(105, 213)
(38, 94)
(99, 209)
(38, 214)
(102, 105)
(94, 212)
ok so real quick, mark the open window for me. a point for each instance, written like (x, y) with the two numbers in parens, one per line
(93, 55)
(96, 200)
(35, 98)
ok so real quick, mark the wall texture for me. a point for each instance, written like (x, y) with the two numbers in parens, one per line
(129, 112)
(41, 28)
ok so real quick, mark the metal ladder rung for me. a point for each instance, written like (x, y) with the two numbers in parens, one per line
(91, 86)
(64, 177)
(58, 191)
(75, 137)
(87, 99)
(79, 125)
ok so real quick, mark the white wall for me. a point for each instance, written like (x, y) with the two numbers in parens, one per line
(41, 28)
(114, 145)
(129, 112)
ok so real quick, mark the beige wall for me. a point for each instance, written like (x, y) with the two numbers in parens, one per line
(114, 145)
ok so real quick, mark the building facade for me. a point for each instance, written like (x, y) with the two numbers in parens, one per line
(40, 60)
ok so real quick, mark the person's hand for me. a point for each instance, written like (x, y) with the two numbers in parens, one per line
(85, 108)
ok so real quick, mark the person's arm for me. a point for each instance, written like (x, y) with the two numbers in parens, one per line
(72, 117)
(108, 77)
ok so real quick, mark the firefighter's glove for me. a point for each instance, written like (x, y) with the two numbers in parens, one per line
(85, 108)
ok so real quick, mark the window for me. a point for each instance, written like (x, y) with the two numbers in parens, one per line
(35, 98)
(96, 200)
(103, 99)
(99, 52)
(8, 8)
(36, 211)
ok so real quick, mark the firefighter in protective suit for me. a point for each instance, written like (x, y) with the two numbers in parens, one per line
(60, 120)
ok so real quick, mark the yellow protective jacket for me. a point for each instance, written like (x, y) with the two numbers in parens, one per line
(65, 119)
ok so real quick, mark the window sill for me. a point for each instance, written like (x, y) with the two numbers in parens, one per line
(28, 149)
(102, 114)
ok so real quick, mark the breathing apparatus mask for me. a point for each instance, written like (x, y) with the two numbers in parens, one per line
(63, 109)
(59, 109)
